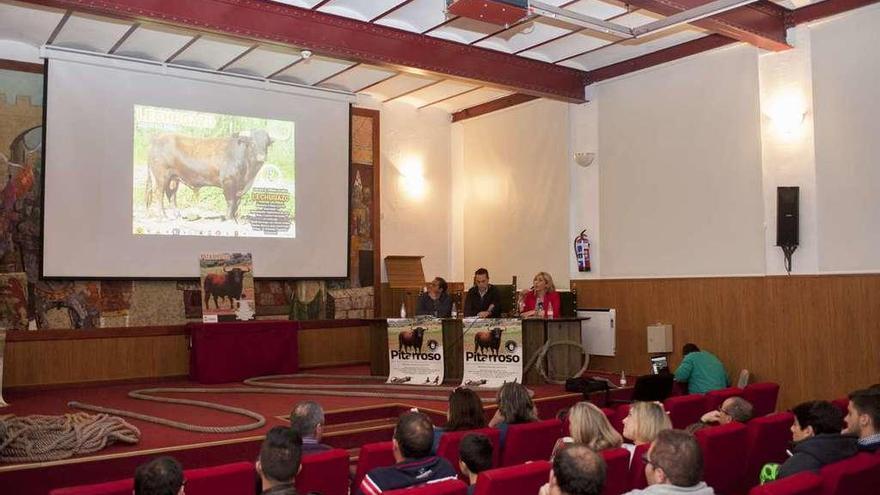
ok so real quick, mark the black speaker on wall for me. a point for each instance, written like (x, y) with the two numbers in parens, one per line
(787, 216)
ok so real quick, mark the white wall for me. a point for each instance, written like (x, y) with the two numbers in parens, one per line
(846, 78)
(18, 51)
(415, 142)
(680, 150)
(584, 187)
(516, 182)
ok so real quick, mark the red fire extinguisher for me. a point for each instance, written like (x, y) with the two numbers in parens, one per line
(582, 251)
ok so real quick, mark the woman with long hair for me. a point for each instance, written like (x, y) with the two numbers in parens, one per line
(644, 421)
(514, 406)
(589, 426)
(465, 413)
(542, 299)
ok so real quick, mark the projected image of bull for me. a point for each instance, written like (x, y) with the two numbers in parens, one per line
(206, 174)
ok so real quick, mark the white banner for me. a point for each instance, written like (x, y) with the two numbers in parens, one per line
(492, 352)
(415, 351)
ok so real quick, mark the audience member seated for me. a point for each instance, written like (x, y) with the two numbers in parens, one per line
(590, 426)
(701, 370)
(537, 302)
(577, 470)
(514, 406)
(674, 464)
(435, 301)
(482, 300)
(732, 409)
(279, 461)
(643, 423)
(307, 419)
(817, 439)
(415, 464)
(863, 418)
(161, 476)
(475, 456)
(465, 413)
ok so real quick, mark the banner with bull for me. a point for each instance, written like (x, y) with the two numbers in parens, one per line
(492, 352)
(209, 174)
(227, 281)
(415, 351)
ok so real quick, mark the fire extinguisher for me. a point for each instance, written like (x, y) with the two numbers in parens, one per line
(582, 251)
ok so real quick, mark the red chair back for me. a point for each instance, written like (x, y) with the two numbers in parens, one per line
(842, 404)
(859, 475)
(530, 441)
(724, 462)
(805, 483)
(768, 438)
(447, 487)
(450, 442)
(325, 473)
(637, 478)
(373, 455)
(685, 410)
(715, 398)
(525, 479)
(621, 412)
(616, 471)
(762, 396)
(235, 479)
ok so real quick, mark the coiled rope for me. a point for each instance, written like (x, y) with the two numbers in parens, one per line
(38, 438)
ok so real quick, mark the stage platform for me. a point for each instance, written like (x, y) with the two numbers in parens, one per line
(351, 422)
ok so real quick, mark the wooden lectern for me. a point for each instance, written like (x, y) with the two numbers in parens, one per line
(406, 278)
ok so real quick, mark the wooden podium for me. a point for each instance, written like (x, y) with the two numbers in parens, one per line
(561, 362)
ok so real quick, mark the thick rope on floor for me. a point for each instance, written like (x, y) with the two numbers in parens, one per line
(40, 438)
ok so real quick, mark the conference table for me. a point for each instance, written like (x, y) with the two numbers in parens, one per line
(562, 360)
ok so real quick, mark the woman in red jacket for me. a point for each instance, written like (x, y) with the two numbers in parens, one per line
(543, 300)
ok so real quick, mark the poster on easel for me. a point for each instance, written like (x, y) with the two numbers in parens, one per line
(493, 352)
(227, 283)
(415, 351)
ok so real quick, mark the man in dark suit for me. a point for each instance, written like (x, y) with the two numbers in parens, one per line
(482, 299)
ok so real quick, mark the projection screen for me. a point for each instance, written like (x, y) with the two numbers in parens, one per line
(147, 167)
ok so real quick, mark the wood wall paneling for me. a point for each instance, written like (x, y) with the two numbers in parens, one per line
(334, 346)
(818, 336)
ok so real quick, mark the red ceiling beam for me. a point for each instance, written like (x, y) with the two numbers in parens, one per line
(492, 106)
(825, 9)
(762, 23)
(659, 57)
(347, 39)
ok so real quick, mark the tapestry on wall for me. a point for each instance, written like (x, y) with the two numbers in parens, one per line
(66, 304)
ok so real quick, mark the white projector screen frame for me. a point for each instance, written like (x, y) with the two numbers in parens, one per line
(88, 171)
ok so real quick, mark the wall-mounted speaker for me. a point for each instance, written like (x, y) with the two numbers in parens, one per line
(787, 220)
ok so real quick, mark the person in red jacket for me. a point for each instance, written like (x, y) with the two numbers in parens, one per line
(543, 300)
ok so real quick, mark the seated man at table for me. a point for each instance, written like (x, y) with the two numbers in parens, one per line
(482, 299)
(307, 419)
(412, 441)
(701, 370)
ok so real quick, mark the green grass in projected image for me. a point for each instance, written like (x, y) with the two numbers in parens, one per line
(201, 160)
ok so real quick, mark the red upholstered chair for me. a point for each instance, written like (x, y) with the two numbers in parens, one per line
(525, 479)
(637, 478)
(566, 427)
(685, 410)
(724, 462)
(608, 412)
(762, 396)
(448, 487)
(768, 438)
(841, 404)
(325, 473)
(616, 471)
(805, 483)
(373, 455)
(621, 412)
(450, 441)
(715, 398)
(232, 479)
(859, 475)
(530, 441)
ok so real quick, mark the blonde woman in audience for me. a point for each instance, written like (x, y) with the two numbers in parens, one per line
(589, 426)
(644, 421)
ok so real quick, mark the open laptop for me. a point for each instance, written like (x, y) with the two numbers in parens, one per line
(658, 364)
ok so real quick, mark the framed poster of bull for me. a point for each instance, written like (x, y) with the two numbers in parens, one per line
(227, 282)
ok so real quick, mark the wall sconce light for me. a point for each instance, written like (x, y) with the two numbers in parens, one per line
(787, 114)
(584, 159)
(412, 178)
